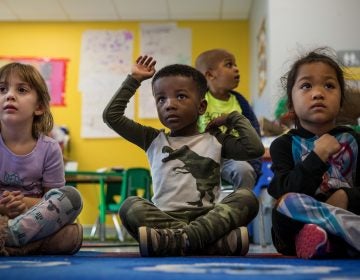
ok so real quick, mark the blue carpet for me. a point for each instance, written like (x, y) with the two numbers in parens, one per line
(96, 265)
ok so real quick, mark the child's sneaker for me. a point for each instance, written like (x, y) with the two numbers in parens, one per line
(235, 243)
(161, 242)
(312, 242)
(173, 242)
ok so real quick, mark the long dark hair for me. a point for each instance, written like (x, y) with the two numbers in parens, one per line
(323, 55)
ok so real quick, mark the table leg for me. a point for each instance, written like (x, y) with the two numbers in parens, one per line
(102, 219)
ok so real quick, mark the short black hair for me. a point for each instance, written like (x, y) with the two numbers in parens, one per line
(209, 60)
(185, 71)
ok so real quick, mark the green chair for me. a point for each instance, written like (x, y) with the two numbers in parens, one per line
(136, 181)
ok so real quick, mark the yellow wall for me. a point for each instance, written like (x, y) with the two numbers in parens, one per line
(63, 40)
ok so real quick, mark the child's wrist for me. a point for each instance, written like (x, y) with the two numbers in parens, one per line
(137, 77)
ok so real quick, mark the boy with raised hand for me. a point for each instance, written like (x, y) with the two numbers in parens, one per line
(182, 218)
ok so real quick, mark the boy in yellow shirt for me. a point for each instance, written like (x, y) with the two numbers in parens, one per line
(222, 75)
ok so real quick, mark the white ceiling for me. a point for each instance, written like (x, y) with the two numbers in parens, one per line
(123, 10)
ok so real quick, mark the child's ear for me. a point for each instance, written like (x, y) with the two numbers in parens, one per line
(202, 106)
(209, 75)
(39, 110)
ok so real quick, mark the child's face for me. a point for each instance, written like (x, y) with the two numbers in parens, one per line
(178, 104)
(18, 101)
(225, 76)
(316, 96)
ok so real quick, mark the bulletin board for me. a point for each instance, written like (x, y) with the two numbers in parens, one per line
(53, 72)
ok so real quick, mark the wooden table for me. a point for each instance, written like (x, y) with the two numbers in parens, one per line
(92, 177)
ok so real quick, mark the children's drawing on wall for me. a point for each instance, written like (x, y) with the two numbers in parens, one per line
(52, 70)
(261, 41)
(105, 58)
(169, 44)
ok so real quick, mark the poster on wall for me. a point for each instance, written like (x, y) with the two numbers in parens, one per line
(105, 61)
(53, 72)
(158, 41)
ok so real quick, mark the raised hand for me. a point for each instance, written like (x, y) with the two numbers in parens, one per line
(144, 68)
(13, 203)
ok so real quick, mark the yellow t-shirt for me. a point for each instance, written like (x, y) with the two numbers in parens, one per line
(216, 108)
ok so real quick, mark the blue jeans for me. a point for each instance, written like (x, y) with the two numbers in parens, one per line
(238, 173)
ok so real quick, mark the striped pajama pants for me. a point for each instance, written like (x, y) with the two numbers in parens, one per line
(294, 210)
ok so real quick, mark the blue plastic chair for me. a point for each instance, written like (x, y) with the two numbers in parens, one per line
(261, 222)
(262, 183)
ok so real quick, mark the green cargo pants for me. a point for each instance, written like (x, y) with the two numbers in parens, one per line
(203, 226)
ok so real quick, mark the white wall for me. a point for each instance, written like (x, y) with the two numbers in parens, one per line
(295, 26)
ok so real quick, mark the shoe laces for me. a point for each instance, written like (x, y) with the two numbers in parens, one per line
(170, 241)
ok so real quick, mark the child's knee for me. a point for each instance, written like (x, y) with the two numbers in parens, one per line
(130, 216)
(287, 200)
(127, 206)
(253, 204)
(247, 198)
(73, 195)
(248, 193)
(69, 192)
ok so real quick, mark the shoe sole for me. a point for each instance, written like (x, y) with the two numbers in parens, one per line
(244, 235)
(311, 242)
(80, 240)
(143, 242)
